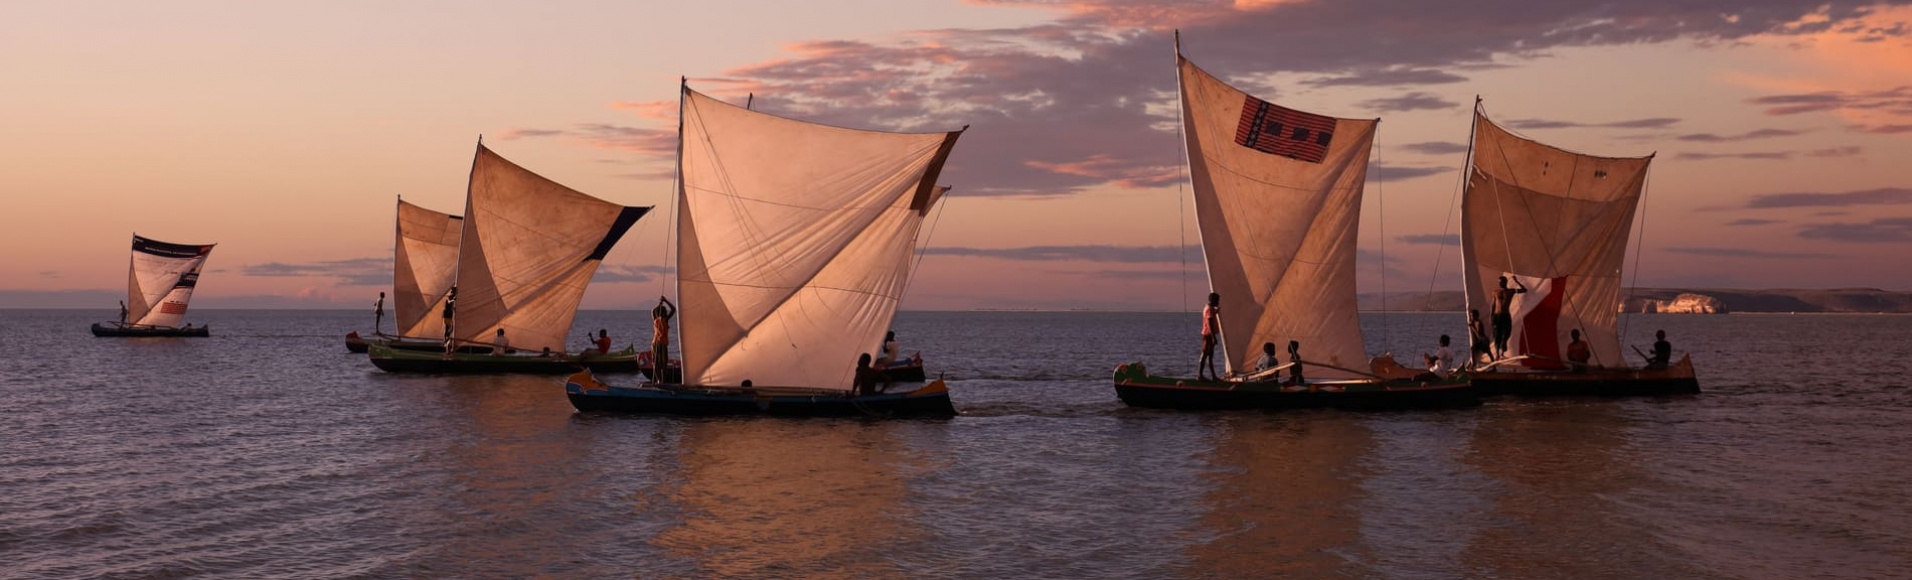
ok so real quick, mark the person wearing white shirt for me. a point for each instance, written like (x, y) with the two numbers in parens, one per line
(1442, 361)
(500, 345)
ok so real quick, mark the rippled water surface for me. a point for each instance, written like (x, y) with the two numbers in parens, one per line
(267, 451)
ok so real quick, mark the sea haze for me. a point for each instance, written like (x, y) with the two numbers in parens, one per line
(268, 451)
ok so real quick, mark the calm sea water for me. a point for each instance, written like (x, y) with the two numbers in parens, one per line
(267, 451)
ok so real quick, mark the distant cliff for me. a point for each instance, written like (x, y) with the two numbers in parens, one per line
(1691, 300)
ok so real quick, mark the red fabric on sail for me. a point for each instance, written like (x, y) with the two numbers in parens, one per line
(1540, 329)
(1271, 128)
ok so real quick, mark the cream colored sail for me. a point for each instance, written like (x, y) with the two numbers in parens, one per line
(424, 265)
(794, 242)
(160, 281)
(528, 249)
(1278, 200)
(1558, 222)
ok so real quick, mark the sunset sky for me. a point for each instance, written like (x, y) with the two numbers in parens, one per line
(284, 131)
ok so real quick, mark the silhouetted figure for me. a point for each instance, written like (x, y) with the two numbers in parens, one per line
(1480, 346)
(1577, 352)
(1662, 351)
(378, 314)
(1211, 333)
(1504, 314)
(866, 377)
(122, 312)
(661, 336)
(1294, 356)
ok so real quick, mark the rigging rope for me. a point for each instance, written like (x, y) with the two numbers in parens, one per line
(1639, 244)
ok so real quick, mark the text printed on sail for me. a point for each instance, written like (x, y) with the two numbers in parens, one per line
(1282, 131)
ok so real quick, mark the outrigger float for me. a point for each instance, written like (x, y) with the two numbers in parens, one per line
(588, 394)
(523, 362)
(789, 268)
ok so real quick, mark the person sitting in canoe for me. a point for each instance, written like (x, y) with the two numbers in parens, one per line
(500, 345)
(1577, 352)
(866, 377)
(1504, 314)
(1268, 359)
(887, 356)
(1294, 356)
(1662, 351)
(1211, 332)
(1441, 363)
(1480, 346)
(546, 353)
(661, 337)
(603, 342)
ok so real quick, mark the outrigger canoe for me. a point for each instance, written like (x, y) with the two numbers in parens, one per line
(587, 394)
(412, 361)
(1137, 388)
(1676, 379)
(120, 329)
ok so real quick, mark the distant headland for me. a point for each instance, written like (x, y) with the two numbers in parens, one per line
(1691, 301)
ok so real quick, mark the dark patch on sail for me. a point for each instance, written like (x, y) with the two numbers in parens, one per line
(168, 250)
(1278, 130)
(625, 219)
(190, 279)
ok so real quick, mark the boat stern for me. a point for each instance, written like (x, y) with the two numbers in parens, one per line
(583, 382)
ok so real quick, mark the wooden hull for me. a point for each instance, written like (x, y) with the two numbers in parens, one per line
(354, 343)
(587, 394)
(410, 361)
(115, 329)
(908, 371)
(1677, 379)
(1137, 388)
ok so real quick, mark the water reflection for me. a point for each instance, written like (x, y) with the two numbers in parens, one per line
(1283, 501)
(1561, 473)
(766, 498)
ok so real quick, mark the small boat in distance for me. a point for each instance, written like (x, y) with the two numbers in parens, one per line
(794, 242)
(160, 283)
(424, 267)
(1543, 239)
(1277, 196)
(527, 248)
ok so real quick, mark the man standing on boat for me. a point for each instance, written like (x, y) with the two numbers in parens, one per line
(661, 337)
(122, 312)
(378, 315)
(1211, 333)
(1504, 315)
(451, 301)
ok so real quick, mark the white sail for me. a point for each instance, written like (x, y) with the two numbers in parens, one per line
(1278, 200)
(160, 281)
(528, 249)
(1557, 221)
(794, 242)
(424, 266)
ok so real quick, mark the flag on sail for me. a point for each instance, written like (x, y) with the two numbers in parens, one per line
(424, 265)
(794, 242)
(1278, 201)
(161, 279)
(1557, 221)
(526, 252)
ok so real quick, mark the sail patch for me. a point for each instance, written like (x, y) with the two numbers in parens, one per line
(1278, 130)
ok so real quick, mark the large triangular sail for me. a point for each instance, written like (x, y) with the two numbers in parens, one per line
(526, 252)
(160, 281)
(424, 266)
(1278, 200)
(1556, 221)
(794, 241)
